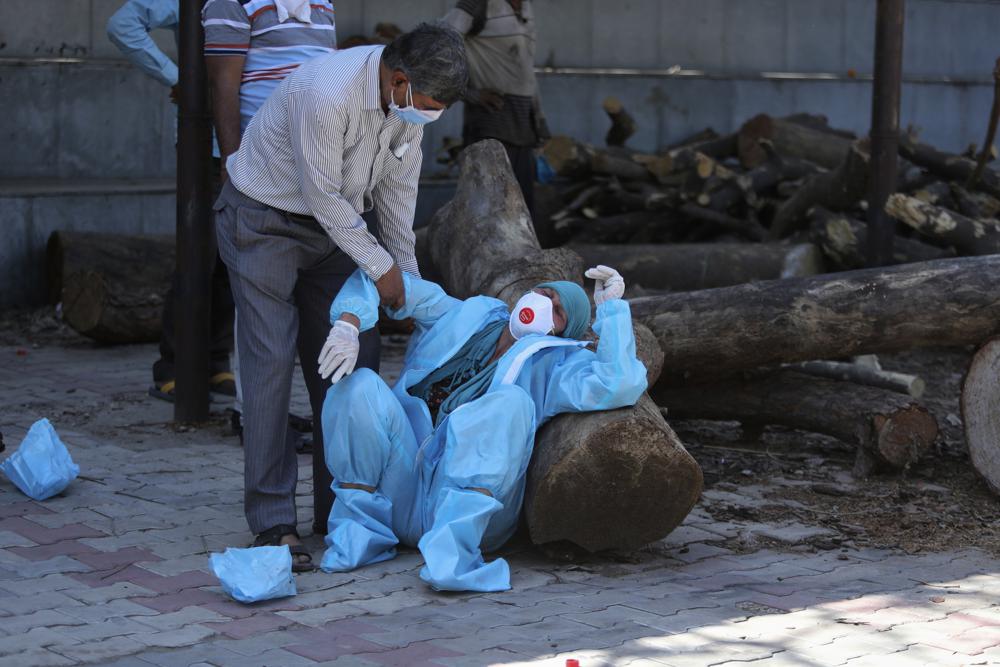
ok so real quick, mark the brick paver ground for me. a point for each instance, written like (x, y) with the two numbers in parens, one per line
(115, 570)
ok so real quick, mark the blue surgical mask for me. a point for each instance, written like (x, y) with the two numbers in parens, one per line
(410, 114)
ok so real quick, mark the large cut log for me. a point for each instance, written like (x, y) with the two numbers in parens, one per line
(844, 241)
(825, 147)
(695, 266)
(969, 236)
(837, 190)
(948, 166)
(111, 286)
(713, 333)
(645, 482)
(981, 412)
(888, 427)
(600, 480)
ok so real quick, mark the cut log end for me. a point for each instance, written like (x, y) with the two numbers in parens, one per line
(632, 465)
(981, 412)
(904, 436)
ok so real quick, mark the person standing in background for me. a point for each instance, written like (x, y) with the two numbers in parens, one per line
(250, 46)
(128, 29)
(502, 102)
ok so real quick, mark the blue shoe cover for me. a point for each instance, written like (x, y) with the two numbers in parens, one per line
(359, 532)
(452, 559)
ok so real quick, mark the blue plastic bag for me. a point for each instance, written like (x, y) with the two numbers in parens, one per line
(41, 467)
(255, 574)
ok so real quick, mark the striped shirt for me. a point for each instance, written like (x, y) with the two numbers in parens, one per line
(322, 146)
(250, 28)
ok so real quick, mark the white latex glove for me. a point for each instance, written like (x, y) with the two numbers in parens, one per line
(340, 352)
(610, 284)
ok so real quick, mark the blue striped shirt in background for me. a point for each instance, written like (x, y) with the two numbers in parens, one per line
(273, 50)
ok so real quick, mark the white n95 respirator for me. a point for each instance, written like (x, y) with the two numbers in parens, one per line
(531, 315)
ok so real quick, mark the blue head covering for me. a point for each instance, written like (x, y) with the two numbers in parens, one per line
(575, 303)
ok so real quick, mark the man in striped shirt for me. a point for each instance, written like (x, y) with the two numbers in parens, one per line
(250, 46)
(339, 137)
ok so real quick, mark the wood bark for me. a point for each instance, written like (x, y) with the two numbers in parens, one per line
(695, 266)
(974, 204)
(838, 189)
(948, 166)
(969, 236)
(572, 158)
(793, 139)
(901, 383)
(748, 186)
(619, 228)
(643, 482)
(891, 428)
(844, 241)
(602, 480)
(718, 221)
(111, 286)
(712, 333)
(981, 412)
(623, 125)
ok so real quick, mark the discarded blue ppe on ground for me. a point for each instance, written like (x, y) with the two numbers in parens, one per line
(255, 574)
(41, 467)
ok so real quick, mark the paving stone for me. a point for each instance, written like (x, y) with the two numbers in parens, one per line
(43, 584)
(100, 651)
(248, 627)
(172, 602)
(331, 649)
(105, 594)
(192, 634)
(19, 624)
(97, 613)
(42, 535)
(23, 508)
(32, 603)
(323, 615)
(179, 619)
(113, 627)
(212, 652)
(107, 560)
(35, 657)
(57, 565)
(9, 538)
(27, 637)
(47, 551)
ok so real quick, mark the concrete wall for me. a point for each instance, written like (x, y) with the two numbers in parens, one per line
(72, 109)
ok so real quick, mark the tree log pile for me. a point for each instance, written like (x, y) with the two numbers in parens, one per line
(722, 240)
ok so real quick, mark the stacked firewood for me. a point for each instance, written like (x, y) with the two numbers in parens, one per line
(783, 199)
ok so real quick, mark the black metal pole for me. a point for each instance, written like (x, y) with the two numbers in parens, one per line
(194, 247)
(886, 94)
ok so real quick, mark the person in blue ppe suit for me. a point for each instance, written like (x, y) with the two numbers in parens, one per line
(439, 460)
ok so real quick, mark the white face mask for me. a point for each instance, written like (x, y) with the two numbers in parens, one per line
(531, 315)
(411, 114)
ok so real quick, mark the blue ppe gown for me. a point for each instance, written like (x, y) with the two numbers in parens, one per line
(427, 479)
